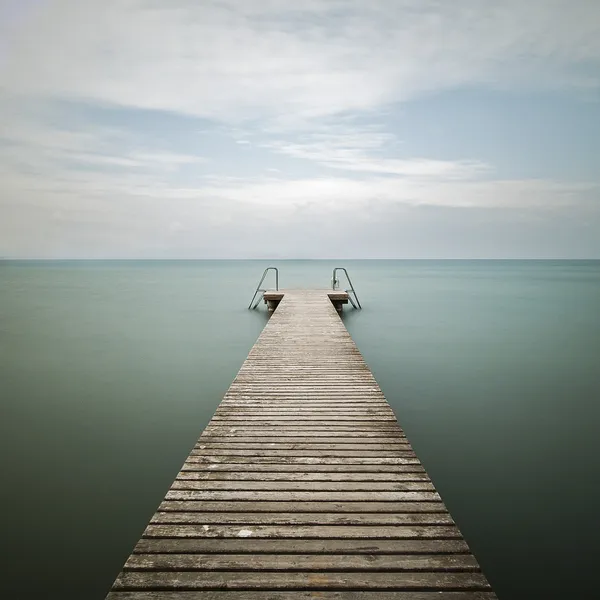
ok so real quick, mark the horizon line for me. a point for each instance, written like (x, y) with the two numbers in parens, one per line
(152, 259)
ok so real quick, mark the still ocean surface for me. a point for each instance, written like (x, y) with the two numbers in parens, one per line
(109, 371)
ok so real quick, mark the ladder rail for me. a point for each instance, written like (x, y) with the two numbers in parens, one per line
(335, 282)
(259, 291)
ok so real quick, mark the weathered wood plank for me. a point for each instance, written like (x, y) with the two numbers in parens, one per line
(310, 486)
(299, 440)
(301, 518)
(368, 436)
(302, 424)
(364, 433)
(301, 562)
(201, 465)
(360, 532)
(304, 460)
(252, 415)
(297, 507)
(309, 418)
(294, 580)
(299, 595)
(364, 453)
(325, 411)
(299, 496)
(306, 406)
(289, 398)
(304, 398)
(304, 546)
(208, 445)
(302, 476)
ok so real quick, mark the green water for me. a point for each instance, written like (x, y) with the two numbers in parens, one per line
(109, 372)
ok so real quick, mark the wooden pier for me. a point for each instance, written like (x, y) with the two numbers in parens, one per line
(302, 486)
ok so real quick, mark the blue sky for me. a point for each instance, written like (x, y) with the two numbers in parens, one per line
(315, 129)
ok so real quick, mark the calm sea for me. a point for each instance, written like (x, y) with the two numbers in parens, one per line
(109, 371)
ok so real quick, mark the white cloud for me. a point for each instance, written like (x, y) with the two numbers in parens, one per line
(340, 218)
(45, 160)
(39, 154)
(353, 149)
(324, 195)
(233, 60)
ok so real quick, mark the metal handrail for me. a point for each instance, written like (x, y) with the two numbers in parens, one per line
(335, 282)
(258, 288)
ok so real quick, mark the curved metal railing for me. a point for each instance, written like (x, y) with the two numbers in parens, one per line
(335, 283)
(260, 291)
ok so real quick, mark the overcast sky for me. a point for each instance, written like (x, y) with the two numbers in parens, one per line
(299, 129)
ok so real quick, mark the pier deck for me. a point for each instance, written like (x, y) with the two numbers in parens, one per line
(302, 486)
